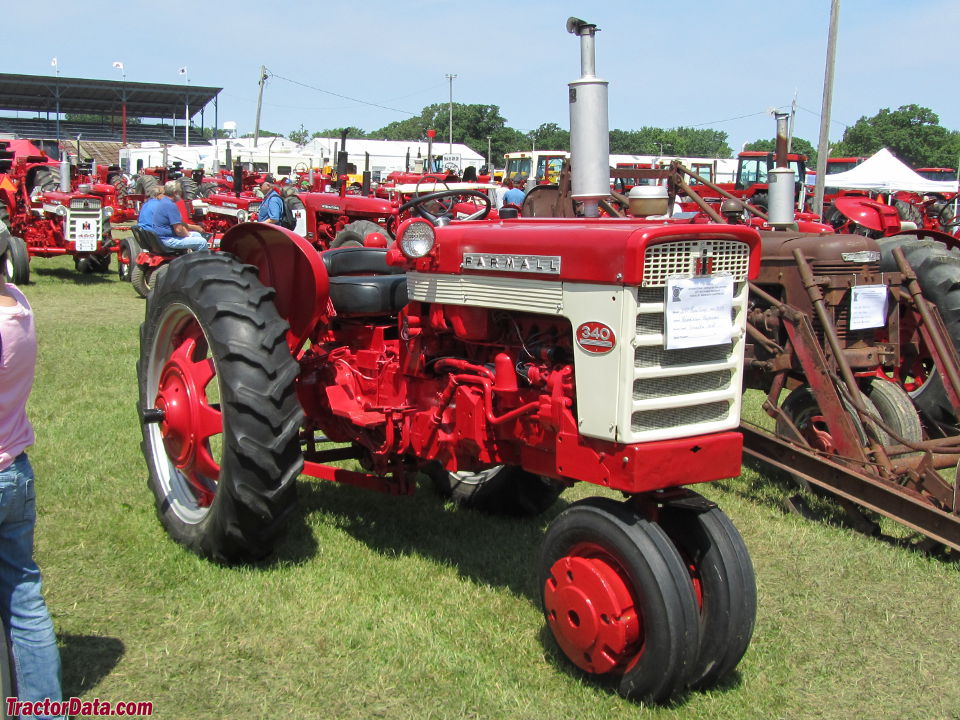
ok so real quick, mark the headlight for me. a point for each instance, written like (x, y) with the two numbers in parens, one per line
(107, 212)
(417, 239)
(242, 216)
(61, 211)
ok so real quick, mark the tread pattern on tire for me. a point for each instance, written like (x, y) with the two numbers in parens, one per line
(938, 273)
(671, 640)
(260, 457)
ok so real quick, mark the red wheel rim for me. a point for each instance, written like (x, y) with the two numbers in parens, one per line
(592, 612)
(189, 419)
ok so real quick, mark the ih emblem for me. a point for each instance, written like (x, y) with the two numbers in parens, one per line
(86, 226)
(704, 263)
(595, 337)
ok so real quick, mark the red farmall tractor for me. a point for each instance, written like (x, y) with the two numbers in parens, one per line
(55, 209)
(506, 359)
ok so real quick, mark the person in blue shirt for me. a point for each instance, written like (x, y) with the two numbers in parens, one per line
(271, 209)
(168, 224)
(513, 196)
(145, 218)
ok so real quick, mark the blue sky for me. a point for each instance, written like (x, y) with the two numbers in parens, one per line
(702, 64)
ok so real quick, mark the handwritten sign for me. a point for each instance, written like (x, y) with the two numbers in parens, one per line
(699, 311)
(868, 306)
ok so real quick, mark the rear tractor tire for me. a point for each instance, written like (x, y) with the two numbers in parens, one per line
(220, 414)
(618, 599)
(938, 273)
(144, 278)
(354, 234)
(16, 262)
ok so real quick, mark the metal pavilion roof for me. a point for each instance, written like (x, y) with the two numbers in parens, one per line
(38, 93)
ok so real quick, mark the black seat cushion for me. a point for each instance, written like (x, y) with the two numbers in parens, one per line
(148, 240)
(358, 261)
(368, 294)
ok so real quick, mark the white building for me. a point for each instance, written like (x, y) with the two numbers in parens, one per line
(283, 157)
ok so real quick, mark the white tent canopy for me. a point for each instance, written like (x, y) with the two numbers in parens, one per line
(883, 172)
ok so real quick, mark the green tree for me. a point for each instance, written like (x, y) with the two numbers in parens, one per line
(352, 132)
(550, 136)
(799, 146)
(911, 132)
(300, 136)
(472, 125)
(680, 142)
(263, 133)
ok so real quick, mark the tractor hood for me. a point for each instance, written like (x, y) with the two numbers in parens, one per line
(353, 205)
(820, 248)
(607, 251)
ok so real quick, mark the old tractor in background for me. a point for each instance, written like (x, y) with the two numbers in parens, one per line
(852, 338)
(54, 208)
(507, 360)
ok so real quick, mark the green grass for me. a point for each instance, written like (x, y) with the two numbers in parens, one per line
(381, 607)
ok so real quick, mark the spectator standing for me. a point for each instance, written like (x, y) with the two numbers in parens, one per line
(499, 192)
(271, 209)
(168, 223)
(25, 616)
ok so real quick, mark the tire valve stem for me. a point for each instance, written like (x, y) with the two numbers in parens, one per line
(151, 415)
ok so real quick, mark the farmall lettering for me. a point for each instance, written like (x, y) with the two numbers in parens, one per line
(543, 264)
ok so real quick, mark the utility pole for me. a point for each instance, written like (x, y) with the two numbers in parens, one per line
(489, 158)
(451, 79)
(823, 147)
(186, 105)
(256, 127)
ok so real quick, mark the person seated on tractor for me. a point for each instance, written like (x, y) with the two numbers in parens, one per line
(145, 218)
(169, 225)
(271, 209)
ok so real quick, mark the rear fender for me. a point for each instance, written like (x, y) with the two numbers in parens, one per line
(292, 267)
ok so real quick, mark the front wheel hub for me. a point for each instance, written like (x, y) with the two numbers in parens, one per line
(591, 612)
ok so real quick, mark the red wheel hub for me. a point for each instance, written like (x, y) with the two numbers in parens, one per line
(189, 419)
(592, 614)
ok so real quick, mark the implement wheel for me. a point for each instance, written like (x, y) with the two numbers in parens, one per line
(724, 584)
(220, 414)
(618, 599)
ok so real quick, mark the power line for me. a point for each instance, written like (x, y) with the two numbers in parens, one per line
(816, 114)
(345, 97)
(739, 117)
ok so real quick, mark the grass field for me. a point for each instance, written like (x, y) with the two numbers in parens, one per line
(380, 607)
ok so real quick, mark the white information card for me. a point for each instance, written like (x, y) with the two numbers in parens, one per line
(699, 311)
(868, 306)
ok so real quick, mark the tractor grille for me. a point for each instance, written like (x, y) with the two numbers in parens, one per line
(695, 257)
(690, 391)
(85, 204)
(841, 311)
(672, 417)
(84, 228)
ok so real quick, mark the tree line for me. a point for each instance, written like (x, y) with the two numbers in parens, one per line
(912, 132)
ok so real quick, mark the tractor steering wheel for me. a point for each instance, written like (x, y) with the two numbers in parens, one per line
(415, 204)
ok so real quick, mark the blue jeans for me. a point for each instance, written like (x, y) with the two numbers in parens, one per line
(25, 616)
(193, 241)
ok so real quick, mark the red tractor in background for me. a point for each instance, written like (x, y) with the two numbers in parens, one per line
(506, 359)
(52, 208)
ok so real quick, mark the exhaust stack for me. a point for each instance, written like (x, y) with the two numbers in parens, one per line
(65, 172)
(781, 182)
(589, 126)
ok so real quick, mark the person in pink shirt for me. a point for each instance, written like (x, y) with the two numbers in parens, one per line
(26, 619)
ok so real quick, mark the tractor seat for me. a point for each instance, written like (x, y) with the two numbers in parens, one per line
(148, 240)
(361, 282)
